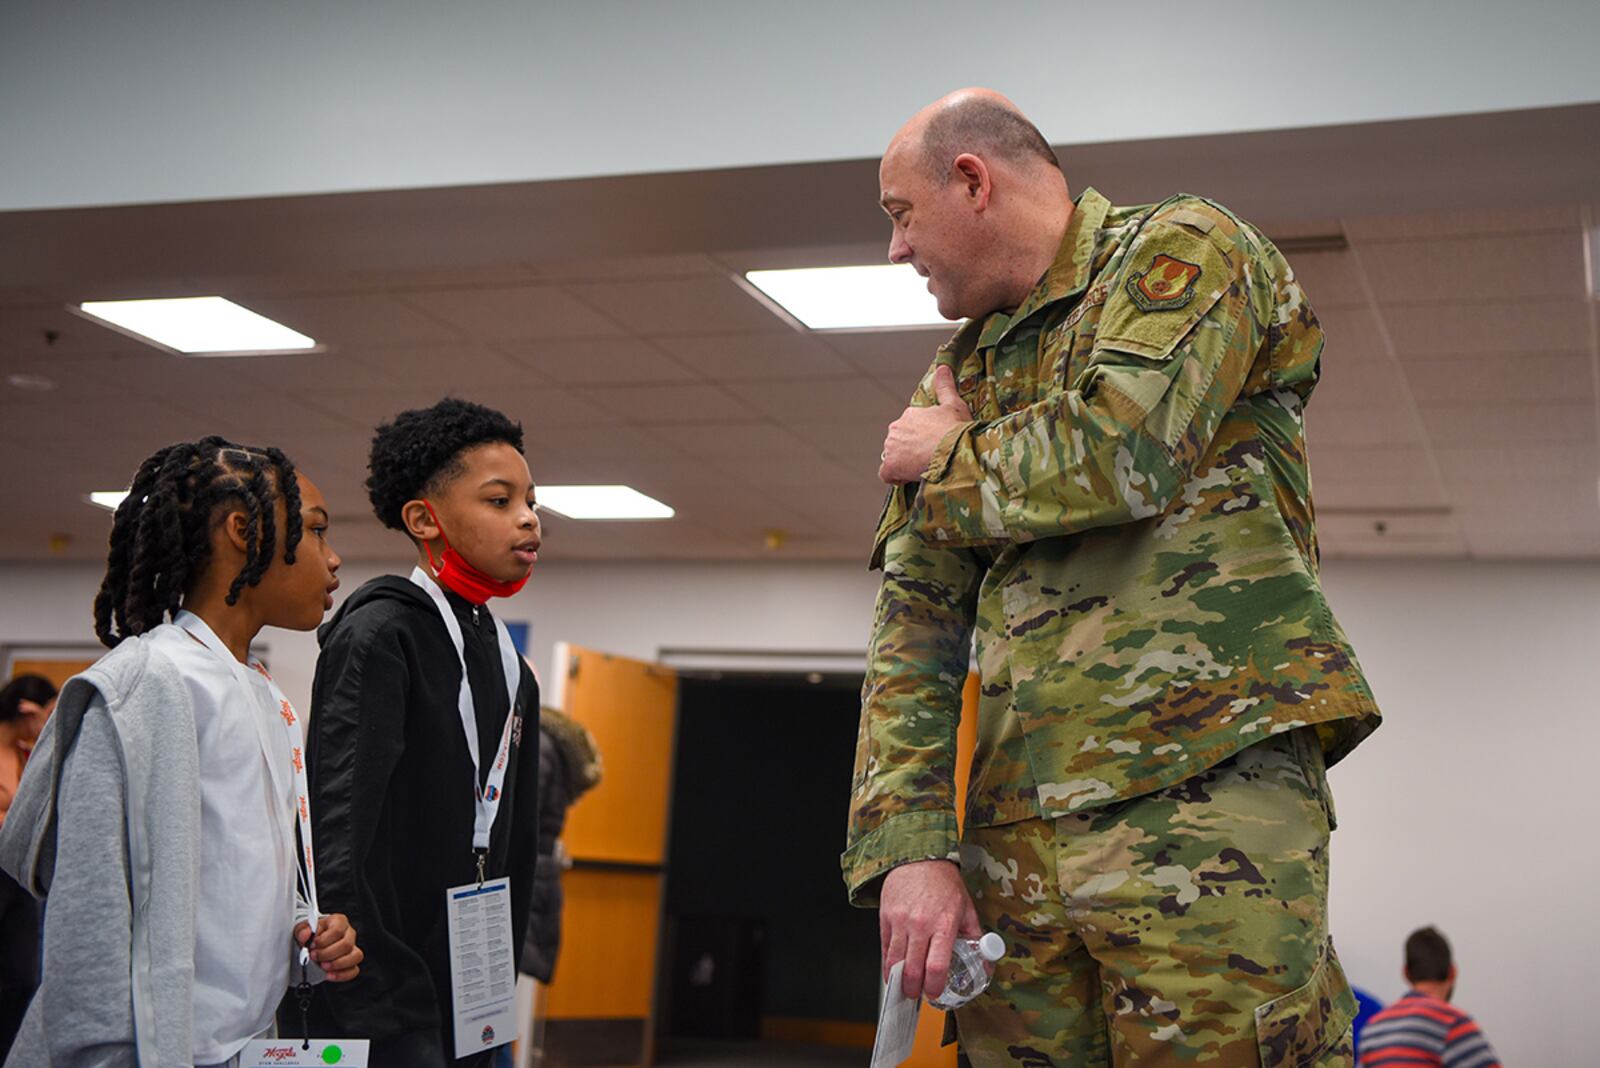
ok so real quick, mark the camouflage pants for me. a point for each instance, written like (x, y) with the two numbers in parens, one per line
(1185, 927)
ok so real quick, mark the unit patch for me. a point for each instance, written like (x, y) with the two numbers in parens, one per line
(1167, 284)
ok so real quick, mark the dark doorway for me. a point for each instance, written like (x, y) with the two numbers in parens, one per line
(760, 947)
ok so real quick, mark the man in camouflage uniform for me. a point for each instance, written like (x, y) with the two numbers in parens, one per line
(1103, 476)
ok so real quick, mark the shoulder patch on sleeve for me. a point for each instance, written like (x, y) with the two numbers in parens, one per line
(1166, 284)
(1172, 277)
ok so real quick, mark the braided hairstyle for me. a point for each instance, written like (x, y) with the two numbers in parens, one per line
(161, 535)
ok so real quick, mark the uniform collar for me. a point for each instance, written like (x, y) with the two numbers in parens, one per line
(1068, 275)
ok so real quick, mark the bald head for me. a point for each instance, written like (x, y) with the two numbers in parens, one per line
(977, 199)
(979, 121)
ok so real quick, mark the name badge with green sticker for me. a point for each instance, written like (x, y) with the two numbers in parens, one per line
(278, 1052)
(1168, 283)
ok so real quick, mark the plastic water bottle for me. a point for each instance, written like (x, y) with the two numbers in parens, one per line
(970, 970)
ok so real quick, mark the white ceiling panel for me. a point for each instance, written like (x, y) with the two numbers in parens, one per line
(1363, 426)
(1503, 267)
(1516, 378)
(668, 403)
(1351, 478)
(797, 400)
(592, 361)
(1497, 220)
(1508, 423)
(681, 306)
(509, 313)
(356, 319)
(1357, 384)
(1489, 327)
(1457, 407)
(1330, 279)
(755, 357)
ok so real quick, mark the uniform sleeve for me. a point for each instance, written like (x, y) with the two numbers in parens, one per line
(85, 989)
(903, 796)
(357, 737)
(1201, 310)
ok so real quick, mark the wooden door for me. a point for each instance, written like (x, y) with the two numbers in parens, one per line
(57, 669)
(599, 1008)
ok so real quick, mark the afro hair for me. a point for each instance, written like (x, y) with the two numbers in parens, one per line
(422, 448)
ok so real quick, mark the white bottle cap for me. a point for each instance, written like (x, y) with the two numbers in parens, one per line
(992, 947)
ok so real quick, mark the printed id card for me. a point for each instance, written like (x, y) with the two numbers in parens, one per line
(483, 969)
(272, 1052)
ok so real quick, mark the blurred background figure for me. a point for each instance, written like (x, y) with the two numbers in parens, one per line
(25, 703)
(569, 767)
(1423, 1028)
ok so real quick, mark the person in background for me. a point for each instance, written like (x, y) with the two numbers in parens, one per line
(1423, 1028)
(25, 703)
(569, 767)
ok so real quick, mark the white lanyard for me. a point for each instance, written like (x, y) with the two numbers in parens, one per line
(489, 795)
(307, 870)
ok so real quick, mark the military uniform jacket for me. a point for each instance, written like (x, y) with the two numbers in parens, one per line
(1126, 527)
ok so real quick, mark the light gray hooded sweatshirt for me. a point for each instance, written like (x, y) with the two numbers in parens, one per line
(106, 823)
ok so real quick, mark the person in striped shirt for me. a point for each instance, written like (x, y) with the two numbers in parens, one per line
(1423, 1028)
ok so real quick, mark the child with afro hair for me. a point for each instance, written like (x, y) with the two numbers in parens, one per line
(420, 778)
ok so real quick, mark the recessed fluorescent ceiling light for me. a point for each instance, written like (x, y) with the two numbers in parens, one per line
(852, 298)
(108, 499)
(198, 325)
(601, 502)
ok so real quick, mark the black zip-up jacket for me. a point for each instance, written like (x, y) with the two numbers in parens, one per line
(392, 808)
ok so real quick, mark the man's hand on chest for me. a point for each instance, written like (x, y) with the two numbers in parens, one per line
(912, 438)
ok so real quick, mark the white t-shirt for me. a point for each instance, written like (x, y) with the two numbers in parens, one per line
(247, 903)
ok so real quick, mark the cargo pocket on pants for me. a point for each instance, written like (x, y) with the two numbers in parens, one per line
(1296, 1029)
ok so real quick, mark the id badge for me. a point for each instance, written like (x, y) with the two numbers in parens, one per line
(272, 1052)
(483, 970)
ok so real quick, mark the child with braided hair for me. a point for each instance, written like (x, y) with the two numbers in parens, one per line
(161, 808)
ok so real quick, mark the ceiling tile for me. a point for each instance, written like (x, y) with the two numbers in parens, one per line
(1330, 279)
(52, 330)
(1480, 379)
(753, 357)
(629, 268)
(505, 313)
(1352, 334)
(681, 306)
(1541, 265)
(856, 443)
(1358, 383)
(1369, 478)
(588, 361)
(829, 398)
(528, 405)
(1511, 423)
(1367, 425)
(1391, 533)
(1488, 327)
(667, 403)
(1461, 223)
(1479, 472)
(744, 440)
(355, 319)
(442, 368)
(897, 357)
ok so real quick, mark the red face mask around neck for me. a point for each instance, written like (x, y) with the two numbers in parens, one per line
(454, 573)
